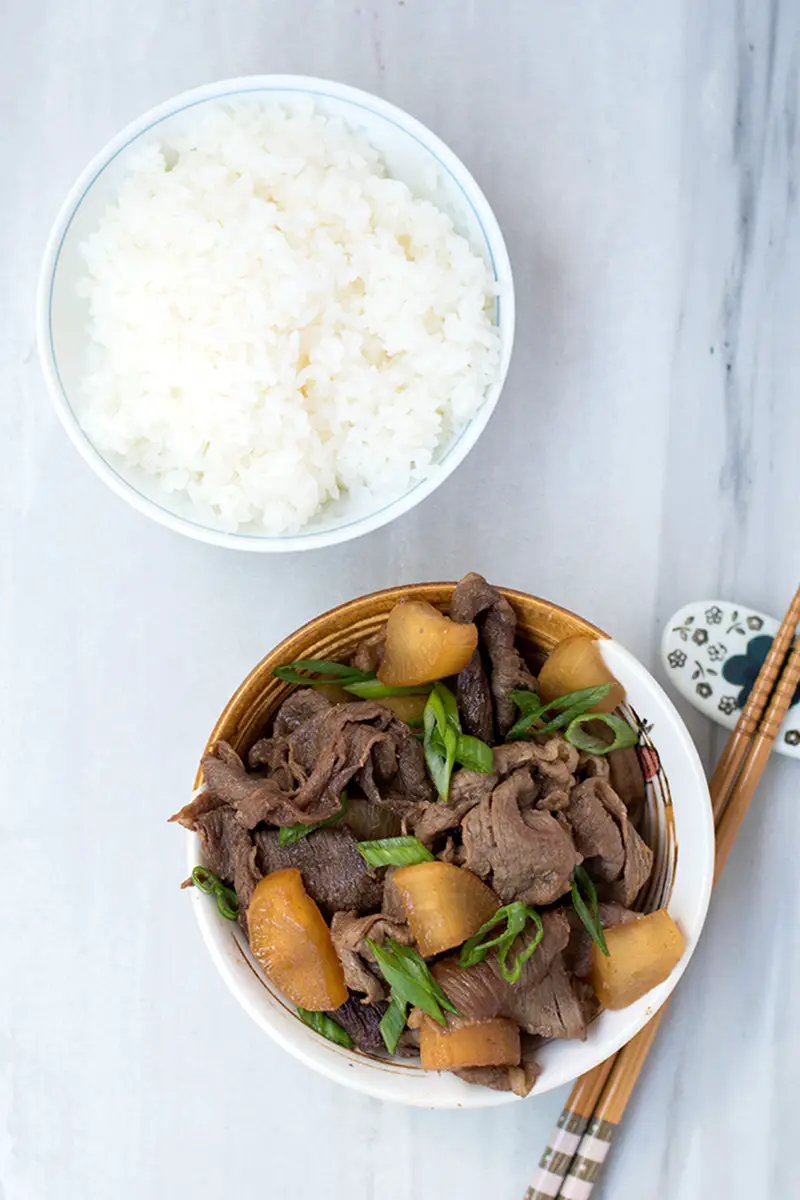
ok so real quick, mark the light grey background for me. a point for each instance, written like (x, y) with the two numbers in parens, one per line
(641, 159)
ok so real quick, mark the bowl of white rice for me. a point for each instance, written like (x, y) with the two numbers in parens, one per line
(275, 313)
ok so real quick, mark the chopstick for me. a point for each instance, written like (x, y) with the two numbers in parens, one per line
(583, 1132)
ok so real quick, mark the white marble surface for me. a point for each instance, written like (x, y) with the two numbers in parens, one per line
(642, 160)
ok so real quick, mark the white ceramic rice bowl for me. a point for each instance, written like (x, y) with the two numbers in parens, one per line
(411, 153)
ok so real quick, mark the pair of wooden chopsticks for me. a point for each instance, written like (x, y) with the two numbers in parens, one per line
(578, 1146)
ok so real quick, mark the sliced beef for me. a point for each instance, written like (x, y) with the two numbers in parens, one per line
(596, 833)
(552, 762)
(308, 767)
(636, 872)
(334, 873)
(369, 821)
(467, 789)
(605, 835)
(394, 775)
(349, 932)
(301, 706)
(627, 780)
(369, 652)
(475, 601)
(528, 854)
(594, 766)
(481, 992)
(475, 700)
(578, 955)
(553, 1008)
(477, 992)
(362, 1022)
(229, 853)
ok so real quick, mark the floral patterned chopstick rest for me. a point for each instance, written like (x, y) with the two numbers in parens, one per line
(712, 652)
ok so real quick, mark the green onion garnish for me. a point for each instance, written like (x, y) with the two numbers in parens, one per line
(515, 916)
(410, 980)
(582, 739)
(569, 706)
(227, 900)
(444, 743)
(591, 920)
(373, 689)
(474, 754)
(320, 1022)
(304, 670)
(393, 1022)
(442, 729)
(394, 852)
(289, 834)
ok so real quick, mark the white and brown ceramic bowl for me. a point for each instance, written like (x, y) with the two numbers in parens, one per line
(678, 825)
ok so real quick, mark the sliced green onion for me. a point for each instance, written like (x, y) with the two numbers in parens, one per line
(512, 974)
(525, 701)
(289, 834)
(319, 666)
(373, 689)
(568, 706)
(588, 913)
(583, 739)
(449, 704)
(208, 882)
(394, 852)
(320, 1022)
(409, 978)
(228, 903)
(514, 918)
(474, 754)
(442, 729)
(415, 964)
(393, 1022)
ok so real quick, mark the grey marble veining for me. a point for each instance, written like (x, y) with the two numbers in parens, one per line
(642, 161)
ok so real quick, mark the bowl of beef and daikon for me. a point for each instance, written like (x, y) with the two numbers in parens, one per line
(450, 844)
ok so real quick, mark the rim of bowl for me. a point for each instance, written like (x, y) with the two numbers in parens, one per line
(374, 1076)
(456, 452)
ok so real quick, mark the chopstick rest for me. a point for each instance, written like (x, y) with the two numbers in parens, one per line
(712, 651)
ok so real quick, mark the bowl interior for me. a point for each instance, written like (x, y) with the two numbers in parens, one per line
(678, 811)
(410, 152)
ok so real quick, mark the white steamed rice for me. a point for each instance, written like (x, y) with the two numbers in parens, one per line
(274, 320)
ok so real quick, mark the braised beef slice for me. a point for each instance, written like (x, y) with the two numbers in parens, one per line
(638, 855)
(369, 653)
(349, 932)
(308, 767)
(334, 873)
(474, 697)
(369, 822)
(475, 601)
(552, 762)
(481, 992)
(362, 1022)
(528, 854)
(229, 853)
(477, 992)
(595, 831)
(300, 707)
(467, 789)
(395, 775)
(593, 766)
(627, 780)
(553, 1008)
